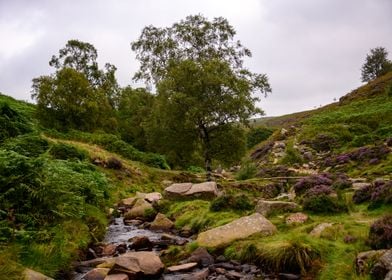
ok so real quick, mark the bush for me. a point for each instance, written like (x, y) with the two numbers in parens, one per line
(311, 181)
(363, 194)
(380, 234)
(323, 204)
(30, 145)
(257, 135)
(341, 182)
(195, 169)
(381, 193)
(229, 202)
(66, 151)
(113, 163)
(318, 190)
(292, 156)
(324, 142)
(248, 170)
(12, 123)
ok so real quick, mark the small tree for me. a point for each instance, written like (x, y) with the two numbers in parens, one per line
(376, 65)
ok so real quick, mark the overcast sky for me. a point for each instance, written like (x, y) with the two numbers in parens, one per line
(311, 50)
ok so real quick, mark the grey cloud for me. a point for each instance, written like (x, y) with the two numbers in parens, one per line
(312, 51)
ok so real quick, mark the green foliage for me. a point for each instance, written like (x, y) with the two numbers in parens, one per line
(65, 152)
(195, 169)
(231, 202)
(292, 156)
(323, 204)
(134, 109)
(12, 123)
(380, 234)
(256, 135)
(30, 145)
(376, 65)
(248, 170)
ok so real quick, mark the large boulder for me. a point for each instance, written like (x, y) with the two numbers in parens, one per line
(201, 190)
(237, 229)
(365, 260)
(267, 207)
(30, 274)
(139, 210)
(96, 274)
(161, 222)
(177, 190)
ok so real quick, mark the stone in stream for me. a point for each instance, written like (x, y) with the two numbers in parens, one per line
(201, 256)
(237, 229)
(140, 242)
(121, 276)
(30, 274)
(182, 267)
(96, 274)
(109, 250)
(139, 210)
(266, 207)
(161, 222)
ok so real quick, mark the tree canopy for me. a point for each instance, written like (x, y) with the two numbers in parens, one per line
(376, 64)
(204, 91)
(78, 95)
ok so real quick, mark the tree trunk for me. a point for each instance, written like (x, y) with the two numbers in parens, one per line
(204, 135)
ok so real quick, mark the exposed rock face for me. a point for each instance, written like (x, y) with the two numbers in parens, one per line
(316, 232)
(266, 207)
(364, 259)
(201, 190)
(161, 222)
(238, 229)
(139, 209)
(296, 218)
(34, 275)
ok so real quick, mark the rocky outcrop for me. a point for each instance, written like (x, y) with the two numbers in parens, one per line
(96, 274)
(183, 190)
(267, 207)
(238, 229)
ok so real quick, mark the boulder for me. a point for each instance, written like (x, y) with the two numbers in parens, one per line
(360, 185)
(109, 250)
(140, 242)
(201, 190)
(182, 267)
(205, 190)
(316, 232)
(121, 276)
(30, 274)
(139, 210)
(383, 268)
(266, 207)
(161, 222)
(364, 260)
(152, 197)
(138, 265)
(296, 218)
(177, 190)
(128, 202)
(237, 229)
(96, 274)
(201, 257)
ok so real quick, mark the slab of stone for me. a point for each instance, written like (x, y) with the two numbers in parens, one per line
(152, 197)
(177, 189)
(360, 185)
(266, 207)
(206, 190)
(182, 267)
(149, 262)
(237, 229)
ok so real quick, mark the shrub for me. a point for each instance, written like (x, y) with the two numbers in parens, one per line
(114, 163)
(381, 194)
(323, 142)
(323, 204)
(257, 135)
(380, 234)
(229, 202)
(30, 145)
(363, 194)
(308, 182)
(248, 170)
(12, 123)
(341, 182)
(66, 152)
(318, 190)
(292, 156)
(275, 171)
(195, 169)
